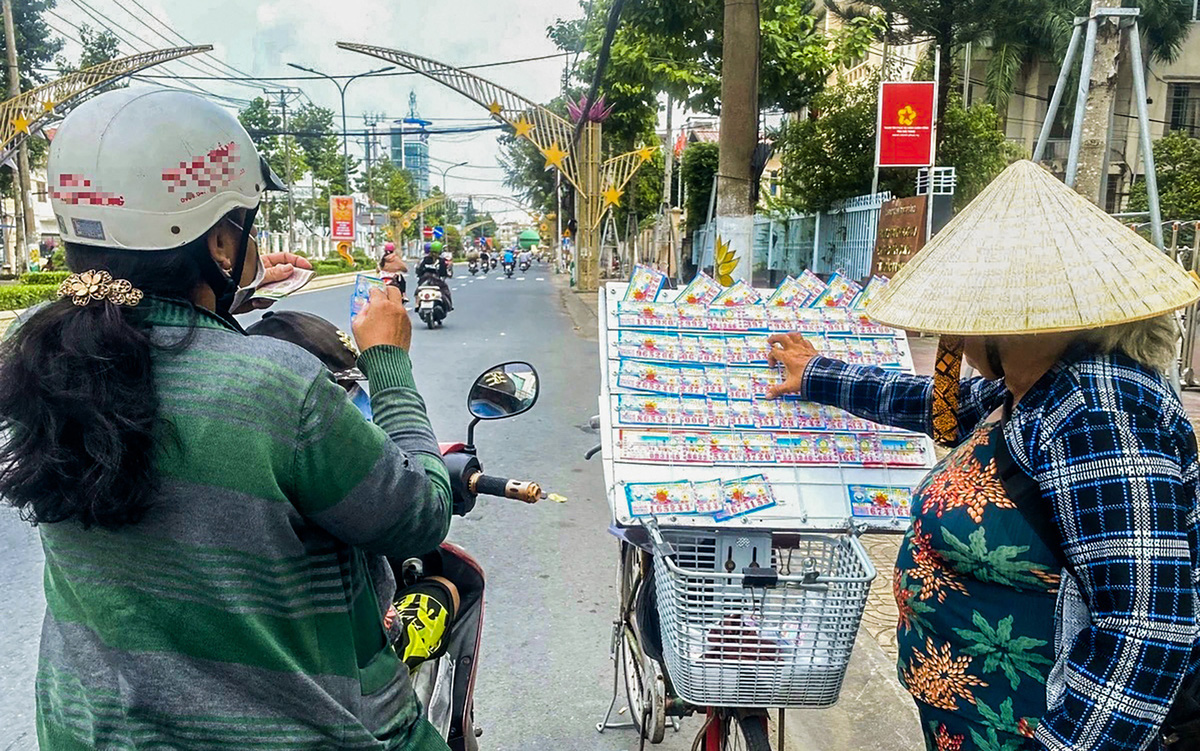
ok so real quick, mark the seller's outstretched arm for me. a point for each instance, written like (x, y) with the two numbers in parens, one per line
(873, 393)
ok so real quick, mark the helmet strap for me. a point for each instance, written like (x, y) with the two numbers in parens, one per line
(223, 285)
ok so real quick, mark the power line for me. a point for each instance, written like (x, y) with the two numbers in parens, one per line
(394, 74)
(170, 41)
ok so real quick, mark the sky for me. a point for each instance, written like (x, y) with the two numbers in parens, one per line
(260, 37)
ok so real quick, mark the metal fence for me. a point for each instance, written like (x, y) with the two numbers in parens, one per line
(840, 239)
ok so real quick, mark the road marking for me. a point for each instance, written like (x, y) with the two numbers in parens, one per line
(541, 279)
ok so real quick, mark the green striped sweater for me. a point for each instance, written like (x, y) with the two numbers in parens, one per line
(242, 613)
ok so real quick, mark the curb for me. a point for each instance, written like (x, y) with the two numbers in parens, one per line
(580, 307)
(316, 285)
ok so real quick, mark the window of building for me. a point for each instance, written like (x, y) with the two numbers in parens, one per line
(1183, 105)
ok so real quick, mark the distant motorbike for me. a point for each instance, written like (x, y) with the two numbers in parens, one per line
(508, 269)
(494, 262)
(524, 266)
(473, 267)
(431, 305)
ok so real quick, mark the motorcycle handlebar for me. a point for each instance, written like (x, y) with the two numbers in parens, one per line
(517, 490)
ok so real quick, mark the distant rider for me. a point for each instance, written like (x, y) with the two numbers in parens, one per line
(432, 270)
(392, 267)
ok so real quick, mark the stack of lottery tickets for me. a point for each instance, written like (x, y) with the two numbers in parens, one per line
(721, 499)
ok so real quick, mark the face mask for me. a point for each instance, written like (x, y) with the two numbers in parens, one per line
(244, 294)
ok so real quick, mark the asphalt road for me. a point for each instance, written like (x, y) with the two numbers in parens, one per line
(545, 676)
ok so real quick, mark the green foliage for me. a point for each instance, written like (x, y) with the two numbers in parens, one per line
(37, 44)
(262, 122)
(44, 277)
(18, 296)
(1177, 166)
(676, 46)
(831, 156)
(389, 185)
(973, 142)
(698, 167)
(98, 47)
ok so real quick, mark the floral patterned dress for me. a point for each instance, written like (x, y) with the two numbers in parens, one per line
(976, 589)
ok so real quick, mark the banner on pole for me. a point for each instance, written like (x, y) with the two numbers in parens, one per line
(905, 124)
(341, 217)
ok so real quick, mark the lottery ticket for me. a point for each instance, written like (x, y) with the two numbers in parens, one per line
(693, 412)
(740, 293)
(702, 290)
(363, 285)
(648, 345)
(647, 315)
(693, 448)
(760, 447)
(646, 446)
(840, 292)
(650, 499)
(745, 496)
(648, 376)
(693, 380)
(647, 410)
(788, 294)
(644, 284)
(877, 501)
(709, 496)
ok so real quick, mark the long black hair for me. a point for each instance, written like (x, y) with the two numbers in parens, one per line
(79, 411)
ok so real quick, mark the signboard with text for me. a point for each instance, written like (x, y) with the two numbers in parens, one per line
(900, 235)
(905, 124)
(341, 217)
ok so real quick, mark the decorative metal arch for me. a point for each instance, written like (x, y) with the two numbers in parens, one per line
(551, 133)
(24, 114)
(471, 227)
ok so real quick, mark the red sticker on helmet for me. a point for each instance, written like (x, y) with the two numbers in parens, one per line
(206, 174)
(77, 190)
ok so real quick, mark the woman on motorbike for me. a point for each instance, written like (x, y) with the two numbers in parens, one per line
(208, 503)
(432, 270)
(393, 268)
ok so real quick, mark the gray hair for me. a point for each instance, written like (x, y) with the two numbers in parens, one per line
(1153, 342)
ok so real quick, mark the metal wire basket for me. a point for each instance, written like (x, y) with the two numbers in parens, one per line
(777, 636)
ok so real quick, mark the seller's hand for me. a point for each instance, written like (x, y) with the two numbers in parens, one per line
(383, 320)
(794, 352)
(279, 266)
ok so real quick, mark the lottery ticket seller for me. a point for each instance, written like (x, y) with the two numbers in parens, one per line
(1046, 586)
(208, 502)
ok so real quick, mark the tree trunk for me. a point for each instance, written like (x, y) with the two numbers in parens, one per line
(945, 77)
(1101, 96)
(739, 136)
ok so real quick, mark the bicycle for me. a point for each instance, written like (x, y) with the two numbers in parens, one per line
(770, 626)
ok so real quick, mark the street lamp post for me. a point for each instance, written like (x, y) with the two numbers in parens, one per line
(453, 166)
(342, 91)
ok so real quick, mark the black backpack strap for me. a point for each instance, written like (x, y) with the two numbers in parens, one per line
(1025, 494)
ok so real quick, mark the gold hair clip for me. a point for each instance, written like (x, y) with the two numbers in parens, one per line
(99, 285)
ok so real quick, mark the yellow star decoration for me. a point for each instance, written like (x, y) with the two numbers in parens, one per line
(48, 105)
(725, 263)
(612, 196)
(523, 127)
(554, 156)
(495, 107)
(645, 153)
(21, 123)
(906, 116)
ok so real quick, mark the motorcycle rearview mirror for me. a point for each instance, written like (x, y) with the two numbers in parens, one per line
(503, 391)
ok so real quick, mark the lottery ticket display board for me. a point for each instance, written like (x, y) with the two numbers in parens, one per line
(691, 439)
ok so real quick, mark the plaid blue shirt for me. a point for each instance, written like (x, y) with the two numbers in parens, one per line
(1108, 442)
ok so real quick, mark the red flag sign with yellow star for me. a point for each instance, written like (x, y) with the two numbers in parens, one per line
(906, 124)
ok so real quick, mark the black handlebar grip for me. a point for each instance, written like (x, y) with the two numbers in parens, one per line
(488, 485)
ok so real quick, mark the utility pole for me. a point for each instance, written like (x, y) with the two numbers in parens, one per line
(1097, 94)
(24, 222)
(287, 163)
(370, 121)
(739, 133)
(668, 228)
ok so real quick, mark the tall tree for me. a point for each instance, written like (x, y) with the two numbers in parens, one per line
(98, 47)
(37, 45)
(830, 157)
(389, 185)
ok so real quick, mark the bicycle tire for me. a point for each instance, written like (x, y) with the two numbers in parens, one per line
(742, 732)
(630, 656)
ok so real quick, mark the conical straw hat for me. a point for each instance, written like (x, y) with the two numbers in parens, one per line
(1032, 255)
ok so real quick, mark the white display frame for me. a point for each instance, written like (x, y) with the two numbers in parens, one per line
(809, 498)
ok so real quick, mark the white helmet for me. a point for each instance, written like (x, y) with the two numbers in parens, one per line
(151, 169)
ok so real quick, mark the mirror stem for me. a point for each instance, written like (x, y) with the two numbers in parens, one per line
(470, 449)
